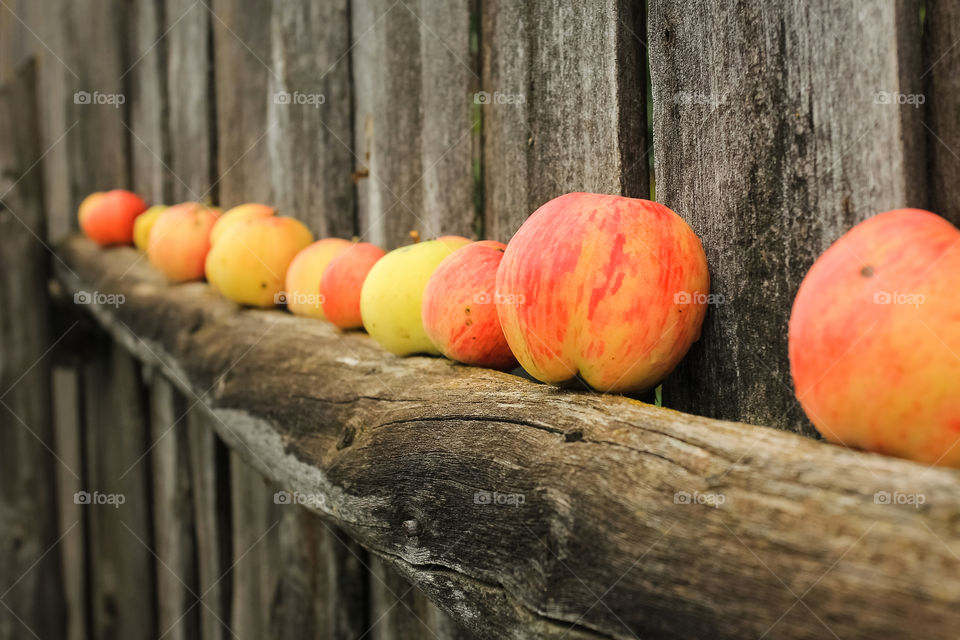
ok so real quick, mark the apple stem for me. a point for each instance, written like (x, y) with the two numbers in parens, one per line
(415, 235)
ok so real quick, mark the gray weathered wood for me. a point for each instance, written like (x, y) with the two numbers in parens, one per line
(566, 108)
(177, 587)
(30, 572)
(777, 128)
(311, 160)
(122, 565)
(149, 148)
(414, 78)
(189, 84)
(941, 73)
(635, 520)
(241, 42)
(210, 485)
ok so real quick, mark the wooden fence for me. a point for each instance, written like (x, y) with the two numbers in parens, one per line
(775, 127)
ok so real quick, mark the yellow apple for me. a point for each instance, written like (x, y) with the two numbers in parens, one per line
(144, 224)
(237, 214)
(392, 295)
(304, 274)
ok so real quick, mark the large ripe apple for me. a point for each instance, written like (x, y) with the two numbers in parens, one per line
(108, 218)
(460, 311)
(392, 295)
(248, 263)
(610, 289)
(240, 213)
(342, 281)
(304, 274)
(180, 239)
(875, 338)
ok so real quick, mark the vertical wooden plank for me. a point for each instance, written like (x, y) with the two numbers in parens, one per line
(148, 103)
(941, 72)
(413, 84)
(178, 613)
(241, 41)
(189, 82)
(118, 490)
(68, 445)
(30, 572)
(210, 484)
(564, 107)
(775, 132)
(309, 101)
(255, 550)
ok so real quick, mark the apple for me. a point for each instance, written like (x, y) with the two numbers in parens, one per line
(237, 214)
(460, 311)
(607, 288)
(342, 281)
(303, 276)
(144, 223)
(248, 263)
(180, 239)
(392, 295)
(874, 338)
(107, 218)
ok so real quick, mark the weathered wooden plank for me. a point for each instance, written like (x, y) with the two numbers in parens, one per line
(309, 100)
(149, 148)
(68, 445)
(178, 613)
(210, 485)
(254, 571)
(565, 105)
(941, 73)
(189, 82)
(30, 572)
(413, 78)
(612, 518)
(117, 498)
(777, 128)
(241, 43)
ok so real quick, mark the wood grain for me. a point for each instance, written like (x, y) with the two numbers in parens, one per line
(777, 128)
(634, 520)
(565, 86)
(146, 77)
(941, 75)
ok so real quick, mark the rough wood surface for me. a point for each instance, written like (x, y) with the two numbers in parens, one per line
(309, 99)
(634, 519)
(30, 573)
(414, 81)
(941, 73)
(566, 107)
(146, 77)
(777, 127)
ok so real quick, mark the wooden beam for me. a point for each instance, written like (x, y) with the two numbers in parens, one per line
(528, 511)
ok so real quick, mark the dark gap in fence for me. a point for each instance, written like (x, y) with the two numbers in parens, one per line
(214, 175)
(476, 33)
(356, 151)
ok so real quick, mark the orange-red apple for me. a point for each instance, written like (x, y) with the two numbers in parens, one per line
(460, 311)
(180, 239)
(107, 218)
(610, 289)
(342, 281)
(875, 338)
(303, 276)
(248, 263)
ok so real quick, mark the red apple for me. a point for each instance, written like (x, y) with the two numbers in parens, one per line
(610, 289)
(875, 338)
(460, 311)
(180, 239)
(107, 218)
(342, 281)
